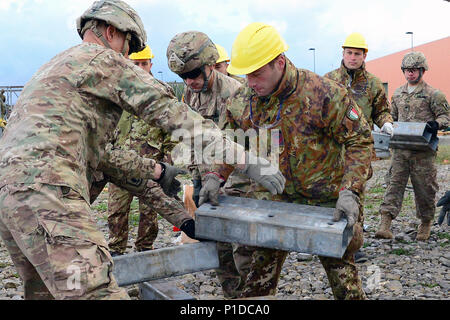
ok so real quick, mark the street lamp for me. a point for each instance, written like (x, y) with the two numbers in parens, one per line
(412, 35)
(314, 57)
(162, 79)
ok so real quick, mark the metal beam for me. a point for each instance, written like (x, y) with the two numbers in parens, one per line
(381, 144)
(162, 290)
(163, 263)
(412, 136)
(271, 224)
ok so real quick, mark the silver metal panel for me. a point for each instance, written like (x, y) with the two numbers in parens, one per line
(381, 140)
(270, 224)
(412, 136)
(163, 263)
(162, 290)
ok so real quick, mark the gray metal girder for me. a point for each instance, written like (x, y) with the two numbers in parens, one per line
(163, 263)
(412, 136)
(381, 144)
(162, 290)
(270, 224)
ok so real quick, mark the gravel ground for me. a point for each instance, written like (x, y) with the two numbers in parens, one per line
(398, 269)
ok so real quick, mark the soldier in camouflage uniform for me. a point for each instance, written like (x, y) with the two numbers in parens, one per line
(415, 101)
(2, 104)
(316, 118)
(192, 55)
(149, 142)
(55, 145)
(365, 88)
(222, 63)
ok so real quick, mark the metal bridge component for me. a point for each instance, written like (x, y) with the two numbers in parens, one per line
(162, 290)
(163, 263)
(413, 136)
(381, 144)
(270, 224)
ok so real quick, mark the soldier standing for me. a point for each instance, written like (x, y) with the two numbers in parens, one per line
(415, 101)
(149, 142)
(55, 142)
(365, 88)
(316, 118)
(192, 55)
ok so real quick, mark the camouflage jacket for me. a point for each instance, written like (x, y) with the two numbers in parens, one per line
(422, 105)
(367, 91)
(148, 141)
(211, 104)
(67, 113)
(318, 117)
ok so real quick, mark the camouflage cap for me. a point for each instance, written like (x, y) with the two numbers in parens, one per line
(414, 59)
(120, 15)
(190, 50)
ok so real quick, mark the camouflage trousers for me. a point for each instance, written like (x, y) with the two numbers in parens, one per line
(246, 271)
(119, 204)
(420, 167)
(55, 245)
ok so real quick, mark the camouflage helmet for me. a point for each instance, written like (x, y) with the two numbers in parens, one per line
(118, 14)
(414, 59)
(190, 50)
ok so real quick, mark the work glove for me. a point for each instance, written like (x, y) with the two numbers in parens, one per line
(347, 205)
(445, 211)
(169, 184)
(210, 189)
(188, 227)
(433, 127)
(262, 171)
(388, 128)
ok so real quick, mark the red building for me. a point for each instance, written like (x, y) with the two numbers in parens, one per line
(437, 52)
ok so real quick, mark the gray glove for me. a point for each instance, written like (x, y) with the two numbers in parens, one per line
(169, 184)
(445, 211)
(210, 189)
(262, 171)
(347, 205)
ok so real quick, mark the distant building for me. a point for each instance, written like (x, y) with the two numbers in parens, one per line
(437, 52)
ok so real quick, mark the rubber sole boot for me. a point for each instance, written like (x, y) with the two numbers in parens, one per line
(384, 232)
(424, 231)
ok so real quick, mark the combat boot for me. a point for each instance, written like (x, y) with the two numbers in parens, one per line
(424, 230)
(384, 231)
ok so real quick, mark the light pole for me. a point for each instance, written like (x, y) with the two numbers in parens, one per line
(412, 35)
(314, 57)
(162, 79)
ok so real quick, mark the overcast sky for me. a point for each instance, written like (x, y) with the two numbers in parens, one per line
(33, 31)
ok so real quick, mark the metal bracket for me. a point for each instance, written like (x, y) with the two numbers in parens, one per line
(271, 224)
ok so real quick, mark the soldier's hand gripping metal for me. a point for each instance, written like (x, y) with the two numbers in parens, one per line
(348, 206)
(445, 211)
(388, 128)
(210, 188)
(169, 184)
(264, 173)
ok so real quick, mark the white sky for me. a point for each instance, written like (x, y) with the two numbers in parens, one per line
(33, 31)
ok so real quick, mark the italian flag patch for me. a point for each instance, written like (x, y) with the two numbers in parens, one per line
(352, 114)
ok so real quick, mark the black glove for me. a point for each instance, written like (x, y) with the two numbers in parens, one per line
(445, 211)
(169, 184)
(433, 127)
(188, 227)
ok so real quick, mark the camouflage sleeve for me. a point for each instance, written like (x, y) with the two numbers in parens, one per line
(344, 121)
(123, 129)
(139, 93)
(394, 109)
(440, 108)
(121, 164)
(381, 110)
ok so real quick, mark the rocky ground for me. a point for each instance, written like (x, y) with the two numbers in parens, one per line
(401, 268)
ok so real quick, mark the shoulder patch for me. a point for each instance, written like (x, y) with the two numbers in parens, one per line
(352, 114)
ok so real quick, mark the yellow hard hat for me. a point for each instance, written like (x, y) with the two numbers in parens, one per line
(223, 55)
(255, 46)
(143, 55)
(356, 40)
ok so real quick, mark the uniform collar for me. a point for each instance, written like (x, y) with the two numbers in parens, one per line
(355, 74)
(418, 89)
